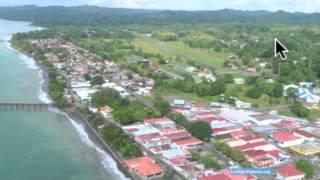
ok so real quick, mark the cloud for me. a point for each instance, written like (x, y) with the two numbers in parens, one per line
(271, 5)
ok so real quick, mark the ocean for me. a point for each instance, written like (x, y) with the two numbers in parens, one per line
(41, 145)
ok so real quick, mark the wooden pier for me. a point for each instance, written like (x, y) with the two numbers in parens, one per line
(26, 106)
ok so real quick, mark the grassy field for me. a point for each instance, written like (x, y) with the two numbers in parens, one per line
(232, 90)
(314, 114)
(174, 49)
(171, 94)
(240, 92)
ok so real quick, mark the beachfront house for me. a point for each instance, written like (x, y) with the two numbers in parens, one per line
(145, 167)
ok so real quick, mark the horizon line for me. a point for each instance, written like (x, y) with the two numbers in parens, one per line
(151, 9)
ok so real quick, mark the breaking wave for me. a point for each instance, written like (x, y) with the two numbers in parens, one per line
(105, 159)
(43, 96)
(31, 64)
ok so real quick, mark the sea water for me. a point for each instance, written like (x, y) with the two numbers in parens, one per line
(41, 145)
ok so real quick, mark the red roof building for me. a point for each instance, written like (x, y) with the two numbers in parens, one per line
(289, 172)
(260, 158)
(287, 123)
(179, 161)
(252, 146)
(177, 135)
(239, 133)
(145, 167)
(148, 137)
(156, 120)
(189, 144)
(285, 139)
(304, 134)
(253, 139)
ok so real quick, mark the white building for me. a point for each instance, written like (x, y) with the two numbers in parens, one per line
(83, 95)
(265, 119)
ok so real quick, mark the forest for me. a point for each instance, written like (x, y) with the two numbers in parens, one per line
(92, 15)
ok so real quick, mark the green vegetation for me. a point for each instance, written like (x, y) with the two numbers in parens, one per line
(165, 36)
(120, 141)
(97, 80)
(124, 111)
(56, 86)
(161, 105)
(179, 119)
(201, 130)
(253, 92)
(234, 155)
(178, 40)
(189, 86)
(108, 97)
(305, 166)
(132, 113)
(207, 160)
(299, 110)
(56, 89)
(179, 50)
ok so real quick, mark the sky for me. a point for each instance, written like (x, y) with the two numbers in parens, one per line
(270, 5)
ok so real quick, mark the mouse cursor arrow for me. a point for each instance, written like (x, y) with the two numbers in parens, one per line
(280, 50)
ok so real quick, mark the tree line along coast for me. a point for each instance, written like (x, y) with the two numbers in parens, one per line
(130, 73)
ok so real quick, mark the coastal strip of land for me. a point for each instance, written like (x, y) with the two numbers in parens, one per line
(73, 114)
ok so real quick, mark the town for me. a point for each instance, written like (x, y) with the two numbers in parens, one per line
(160, 90)
(238, 136)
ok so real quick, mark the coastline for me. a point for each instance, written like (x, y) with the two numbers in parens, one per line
(76, 117)
(98, 141)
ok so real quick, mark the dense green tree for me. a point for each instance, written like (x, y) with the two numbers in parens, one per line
(209, 162)
(124, 116)
(277, 90)
(218, 87)
(201, 130)
(228, 78)
(120, 141)
(238, 156)
(161, 105)
(108, 97)
(131, 113)
(253, 92)
(292, 94)
(97, 80)
(299, 110)
(245, 164)
(178, 118)
(305, 166)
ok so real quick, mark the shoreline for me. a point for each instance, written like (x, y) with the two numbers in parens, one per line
(78, 118)
(98, 141)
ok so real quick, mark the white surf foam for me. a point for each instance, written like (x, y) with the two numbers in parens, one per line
(7, 42)
(42, 95)
(106, 160)
(29, 61)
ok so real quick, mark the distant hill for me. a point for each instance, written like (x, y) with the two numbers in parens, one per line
(92, 15)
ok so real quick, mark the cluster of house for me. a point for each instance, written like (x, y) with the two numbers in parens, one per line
(172, 143)
(198, 75)
(306, 91)
(234, 64)
(287, 172)
(81, 66)
(266, 139)
(284, 132)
